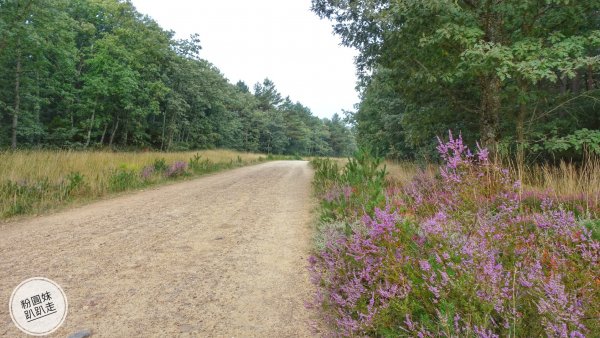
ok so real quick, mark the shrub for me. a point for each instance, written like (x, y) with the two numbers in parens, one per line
(460, 254)
(160, 165)
(72, 183)
(122, 179)
(176, 169)
(199, 166)
(148, 172)
(358, 187)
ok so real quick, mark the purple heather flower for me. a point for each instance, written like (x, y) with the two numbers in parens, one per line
(347, 192)
(483, 333)
(433, 225)
(425, 266)
(147, 172)
(482, 154)
(176, 169)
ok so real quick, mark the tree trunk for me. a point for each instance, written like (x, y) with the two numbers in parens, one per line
(490, 111)
(112, 135)
(521, 116)
(125, 131)
(490, 83)
(17, 107)
(590, 78)
(162, 140)
(38, 107)
(521, 136)
(575, 83)
(172, 127)
(89, 133)
(103, 134)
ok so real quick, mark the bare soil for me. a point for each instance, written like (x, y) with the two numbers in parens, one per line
(219, 256)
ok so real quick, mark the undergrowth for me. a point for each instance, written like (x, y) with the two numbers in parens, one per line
(462, 253)
(46, 189)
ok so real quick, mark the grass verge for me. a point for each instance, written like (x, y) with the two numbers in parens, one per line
(37, 181)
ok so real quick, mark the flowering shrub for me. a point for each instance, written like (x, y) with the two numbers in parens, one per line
(460, 255)
(147, 172)
(178, 168)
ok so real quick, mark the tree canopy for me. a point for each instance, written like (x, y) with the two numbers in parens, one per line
(81, 73)
(514, 74)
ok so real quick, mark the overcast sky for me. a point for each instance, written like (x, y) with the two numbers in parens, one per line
(283, 40)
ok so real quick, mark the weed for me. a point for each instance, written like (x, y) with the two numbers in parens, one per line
(123, 179)
(73, 182)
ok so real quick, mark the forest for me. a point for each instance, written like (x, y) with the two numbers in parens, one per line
(521, 76)
(90, 74)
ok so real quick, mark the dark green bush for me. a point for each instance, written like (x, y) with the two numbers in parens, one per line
(122, 179)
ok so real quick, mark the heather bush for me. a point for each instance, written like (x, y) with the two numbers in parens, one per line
(460, 255)
(148, 172)
(332, 231)
(176, 169)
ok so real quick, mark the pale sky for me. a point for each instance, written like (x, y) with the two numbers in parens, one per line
(249, 40)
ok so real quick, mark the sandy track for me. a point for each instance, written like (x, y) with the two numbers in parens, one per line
(219, 256)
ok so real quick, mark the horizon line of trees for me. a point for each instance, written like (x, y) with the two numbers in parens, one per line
(97, 73)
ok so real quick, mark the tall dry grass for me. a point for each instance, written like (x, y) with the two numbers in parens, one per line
(402, 172)
(565, 181)
(565, 178)
(54, 165)
(34, 180)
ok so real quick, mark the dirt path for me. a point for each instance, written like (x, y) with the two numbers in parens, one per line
(220, 256)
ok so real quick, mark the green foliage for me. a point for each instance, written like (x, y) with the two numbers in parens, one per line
(515, 72)
(199, 166)
(160, 165)
(360, 182)
(19, 197)
(581, 141)
(122, 179)
(74, 181)
(23, 197)
(80, 74)
(327, 173)
(593, 225)
(364, 168)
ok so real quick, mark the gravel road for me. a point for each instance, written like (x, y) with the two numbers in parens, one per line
(219, 256)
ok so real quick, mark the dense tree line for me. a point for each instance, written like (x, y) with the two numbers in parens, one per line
(97, 73)
(519, 75)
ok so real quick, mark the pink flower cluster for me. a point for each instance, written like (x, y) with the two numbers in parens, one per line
(461, 255)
